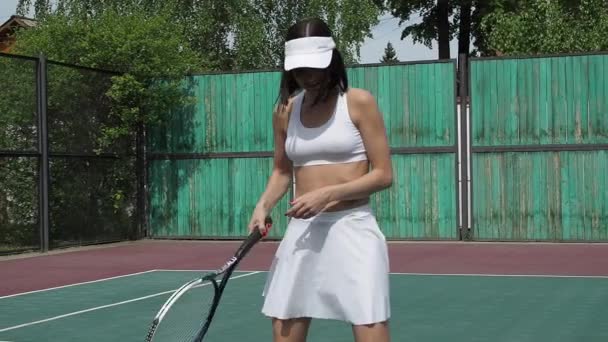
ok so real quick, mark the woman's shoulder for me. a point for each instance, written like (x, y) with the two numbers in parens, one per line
(360, 96)
(361, 104)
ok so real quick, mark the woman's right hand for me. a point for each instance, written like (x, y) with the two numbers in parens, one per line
(257, 221)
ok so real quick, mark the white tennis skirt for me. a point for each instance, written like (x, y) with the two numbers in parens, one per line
(331, 266)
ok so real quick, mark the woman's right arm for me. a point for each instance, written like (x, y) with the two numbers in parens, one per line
(281, 176)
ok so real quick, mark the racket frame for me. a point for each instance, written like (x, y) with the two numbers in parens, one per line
(226, 270)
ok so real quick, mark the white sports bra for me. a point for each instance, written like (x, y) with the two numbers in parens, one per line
(336, 141)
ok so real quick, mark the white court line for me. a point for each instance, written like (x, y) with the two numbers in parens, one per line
(104, 306)
(450, 274)
(502, 275)
(76, 284)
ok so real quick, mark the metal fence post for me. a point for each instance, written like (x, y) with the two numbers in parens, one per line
(43, 152)
(465, 233)
(141, 175)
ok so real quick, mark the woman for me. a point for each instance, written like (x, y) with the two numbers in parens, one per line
(332, 262)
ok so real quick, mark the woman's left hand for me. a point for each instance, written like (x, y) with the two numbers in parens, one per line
(309, 204)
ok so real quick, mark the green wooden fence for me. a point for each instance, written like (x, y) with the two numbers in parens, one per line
(211, 162)
(539, 135)
(538, 159)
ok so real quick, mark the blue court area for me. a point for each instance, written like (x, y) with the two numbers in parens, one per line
(425, 307)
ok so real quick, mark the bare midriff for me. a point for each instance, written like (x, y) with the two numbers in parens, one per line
(313, 177)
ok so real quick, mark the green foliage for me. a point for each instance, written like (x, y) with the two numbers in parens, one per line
(89, 111)
(234, 34)
(18, 196)
(258, 41)
(431, 28)
(425, 31)
(91, 200)
(549, 26)
(203, 24)
(18, 104)
(390, 56)
(152, 61)
(18, 200)
(463, 18)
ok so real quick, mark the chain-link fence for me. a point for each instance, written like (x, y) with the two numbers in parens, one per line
(60, 186)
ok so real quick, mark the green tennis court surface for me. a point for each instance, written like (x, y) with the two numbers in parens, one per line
(425, 308)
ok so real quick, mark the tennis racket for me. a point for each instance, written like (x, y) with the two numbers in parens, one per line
(187, 314)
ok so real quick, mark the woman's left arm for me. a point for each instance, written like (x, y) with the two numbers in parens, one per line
(367, 117)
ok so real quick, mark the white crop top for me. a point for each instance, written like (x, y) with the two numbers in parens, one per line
(336, 141)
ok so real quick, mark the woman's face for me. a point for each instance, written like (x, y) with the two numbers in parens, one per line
(309, 78)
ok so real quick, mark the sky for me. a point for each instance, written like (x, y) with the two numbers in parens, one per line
(388, 29)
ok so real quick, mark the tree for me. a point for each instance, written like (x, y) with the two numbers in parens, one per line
(390, 56)
(205, 25)
(260, 27)
(435, 25)
(145, 50)
(91, 111)
(554, 26)
(445, 20)
(236, 34)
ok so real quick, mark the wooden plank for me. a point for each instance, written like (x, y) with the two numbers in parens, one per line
(565, 173)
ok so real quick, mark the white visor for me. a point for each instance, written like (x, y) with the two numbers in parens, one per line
(309, 52)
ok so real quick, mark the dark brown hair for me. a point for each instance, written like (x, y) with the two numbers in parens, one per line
(335, 73)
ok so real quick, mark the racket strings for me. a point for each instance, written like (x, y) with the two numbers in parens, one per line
(187, 315)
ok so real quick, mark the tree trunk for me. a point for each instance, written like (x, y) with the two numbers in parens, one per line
(464, 31)
(443, 27)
